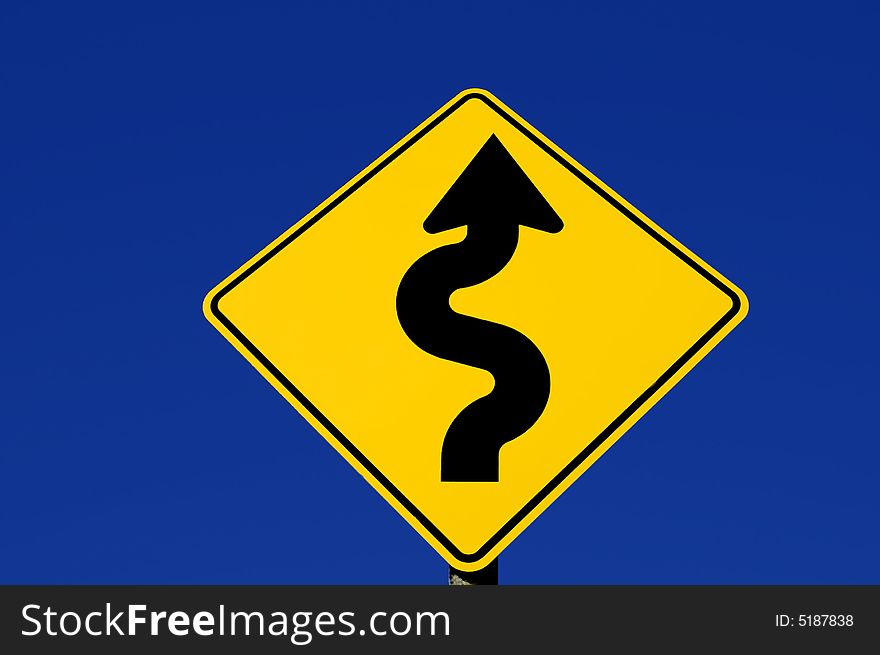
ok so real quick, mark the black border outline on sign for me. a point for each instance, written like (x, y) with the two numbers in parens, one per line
(592, 446)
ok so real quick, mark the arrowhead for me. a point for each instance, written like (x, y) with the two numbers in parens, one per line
(493, 189)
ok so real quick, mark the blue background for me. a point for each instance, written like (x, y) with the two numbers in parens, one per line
(147, 150)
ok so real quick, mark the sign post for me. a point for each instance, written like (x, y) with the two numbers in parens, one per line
(488, 575)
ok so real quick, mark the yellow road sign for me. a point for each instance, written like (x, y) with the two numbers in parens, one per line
(472, 321)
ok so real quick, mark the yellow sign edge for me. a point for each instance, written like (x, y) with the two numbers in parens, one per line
(211, 303)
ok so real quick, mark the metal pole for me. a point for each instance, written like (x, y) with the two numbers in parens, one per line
(487, 575)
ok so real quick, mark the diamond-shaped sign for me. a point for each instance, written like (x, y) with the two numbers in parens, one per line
(472, 321)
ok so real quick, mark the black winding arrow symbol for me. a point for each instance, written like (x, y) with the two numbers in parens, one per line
(492, 197)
